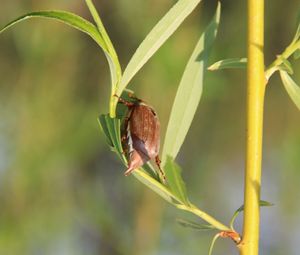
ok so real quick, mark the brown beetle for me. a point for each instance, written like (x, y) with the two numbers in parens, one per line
(141, 135)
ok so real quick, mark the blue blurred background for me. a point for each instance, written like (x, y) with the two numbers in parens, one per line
(63, 192)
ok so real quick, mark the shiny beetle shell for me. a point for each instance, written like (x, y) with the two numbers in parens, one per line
(142, 132)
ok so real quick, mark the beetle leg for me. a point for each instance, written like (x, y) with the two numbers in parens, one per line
(123, 138)
(125, 151)
(128, 172)
(158, 161)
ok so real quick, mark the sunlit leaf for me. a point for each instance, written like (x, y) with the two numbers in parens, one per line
(175, 181)
(77, 22)
(68, 18)
(291, 87)
(115, 69)
(242, 207)
(189, 91)
(228, 63)
(157, 36)
(194, 225)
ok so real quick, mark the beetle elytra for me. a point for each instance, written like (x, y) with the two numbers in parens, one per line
(141, 135)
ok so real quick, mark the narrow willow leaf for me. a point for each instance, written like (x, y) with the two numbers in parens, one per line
(189, 91)
(104, 128)
(291, 87)
(106, 39)
(194, 225)
(111, 128)
(296, 54)
(157, 36)
(79, 23)
(156, 186)
(297, 34)
(286, 66)
(175, 181)
(241, 208)
(68, 18)
(228, 63)
(100, 25)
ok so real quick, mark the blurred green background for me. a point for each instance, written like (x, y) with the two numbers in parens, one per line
(63, 192)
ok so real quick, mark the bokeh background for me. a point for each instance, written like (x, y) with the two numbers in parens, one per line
(63, 192)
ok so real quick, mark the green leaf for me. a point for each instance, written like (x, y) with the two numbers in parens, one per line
(291, 87)
(286, 66)
(194, 225)
(68, 18)
(111, 128)
(296, 54)
(100, 26)
(297, 34)
(241, 208)
(156, 186)
(76, 22)
(105, 130)
(175, 181)
(189, 92)
(228, 63)
(115, 68)
(157, 36)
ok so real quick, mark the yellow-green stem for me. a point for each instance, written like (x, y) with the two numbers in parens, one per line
(255, 104)
(209, 219)
(142, 176)
(285, 55)
(112, 104)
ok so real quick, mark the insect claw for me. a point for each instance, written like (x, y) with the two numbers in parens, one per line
(123, 138)
(158, 161)
(128, 171)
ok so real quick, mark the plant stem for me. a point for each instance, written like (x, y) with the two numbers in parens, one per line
(255, 101)
(166, 194)
(112, 104)
(285, 55)
(209, 219)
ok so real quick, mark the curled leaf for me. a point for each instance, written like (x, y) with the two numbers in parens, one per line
(241, 208)
(228, 63)
(213, 244)
(291, 87)
(68, 18)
